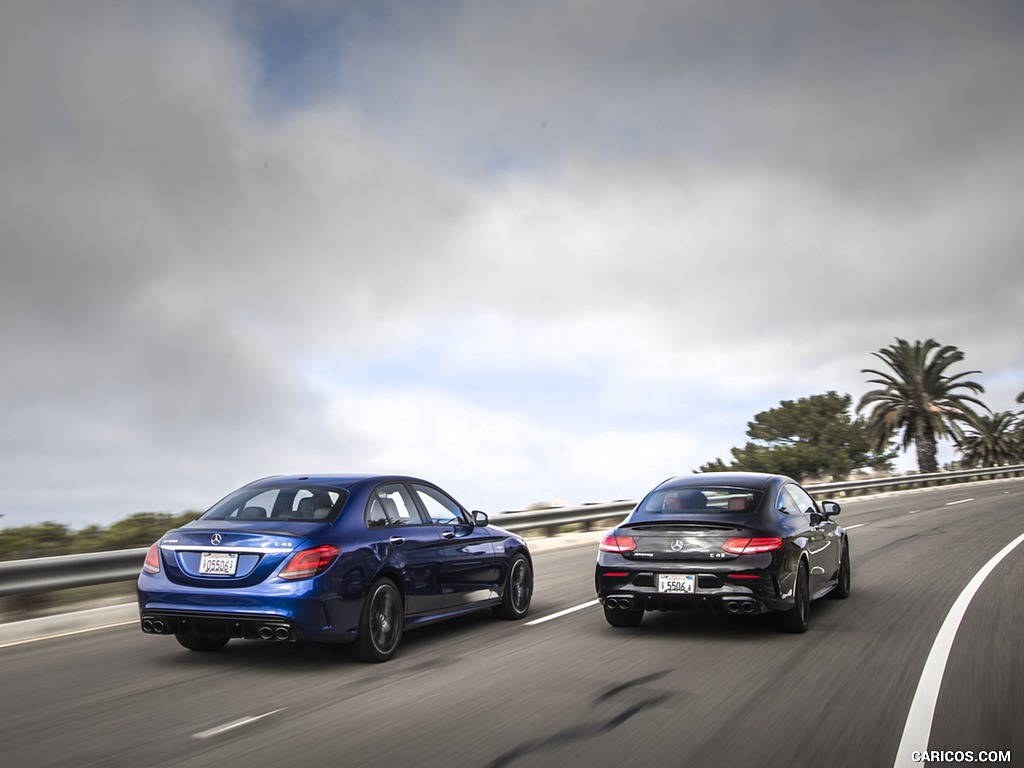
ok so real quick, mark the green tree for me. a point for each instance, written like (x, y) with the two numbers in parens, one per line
(992, 441)
(42, 540)
(142, 529)
(810, 437)
(919, 402)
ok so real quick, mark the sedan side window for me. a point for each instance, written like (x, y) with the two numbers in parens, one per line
(441, 509)
(392, 505)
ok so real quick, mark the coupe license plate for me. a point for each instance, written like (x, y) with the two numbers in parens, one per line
(675, 583)
(218, 563)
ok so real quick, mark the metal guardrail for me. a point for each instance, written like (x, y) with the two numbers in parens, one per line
(20, 578)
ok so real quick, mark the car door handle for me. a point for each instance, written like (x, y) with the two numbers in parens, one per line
(447, 534)
(397, 541)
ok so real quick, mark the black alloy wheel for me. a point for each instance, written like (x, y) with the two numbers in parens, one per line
(515, 601)
(842, 588)
(381, 623)
(795, 620)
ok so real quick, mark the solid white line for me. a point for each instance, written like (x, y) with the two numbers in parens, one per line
(851, 527)
(575, 608)
(67, 634)
(919, 720)
(962, 501)
(232, 725)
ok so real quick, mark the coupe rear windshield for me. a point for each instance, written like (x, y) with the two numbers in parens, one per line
(701, 500)
(286, 503)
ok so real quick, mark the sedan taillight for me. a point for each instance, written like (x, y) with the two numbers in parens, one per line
(310, 562)
(152, 564)
(613, 542)
(752, 546)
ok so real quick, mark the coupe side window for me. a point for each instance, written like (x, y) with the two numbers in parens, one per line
(787, 505)
(803, 500)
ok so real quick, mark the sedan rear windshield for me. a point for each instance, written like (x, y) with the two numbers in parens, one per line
(694, 500)
(286, 503)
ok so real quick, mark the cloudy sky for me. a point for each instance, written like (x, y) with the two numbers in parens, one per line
(532, 250)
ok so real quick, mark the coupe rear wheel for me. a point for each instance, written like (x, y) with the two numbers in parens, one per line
(515, 601)
(796, 618)
(197, 641)
(842, 588)
(618, 617)
(381, 623)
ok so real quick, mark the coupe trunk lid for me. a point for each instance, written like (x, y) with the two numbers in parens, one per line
(690, 541)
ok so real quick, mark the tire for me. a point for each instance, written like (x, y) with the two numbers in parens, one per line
(380, 624)
(795, 620)
(196, 641)
(515, 600)
(620, 618)
(842, 588)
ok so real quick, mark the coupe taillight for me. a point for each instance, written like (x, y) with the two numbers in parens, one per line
(152, 564)
(310, 562)
(752, 546)
(613, 542)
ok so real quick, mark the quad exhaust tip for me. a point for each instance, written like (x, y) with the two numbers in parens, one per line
(154, 626)
(620, 603)
(280, 634)
(740, 606)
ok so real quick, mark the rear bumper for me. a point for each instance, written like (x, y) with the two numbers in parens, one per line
(236, 625)
(713, 592)
(168, 609)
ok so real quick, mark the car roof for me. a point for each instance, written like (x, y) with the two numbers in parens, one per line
(752, 480)
(336, 480)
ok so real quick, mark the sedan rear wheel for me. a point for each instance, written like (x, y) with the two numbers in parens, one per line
(381, 623)
(196, 641)
(515, 601)
(795, 620)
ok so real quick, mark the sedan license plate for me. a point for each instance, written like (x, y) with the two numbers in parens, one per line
(676, 583)
(218, 563)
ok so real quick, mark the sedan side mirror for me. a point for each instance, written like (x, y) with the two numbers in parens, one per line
(480, 518)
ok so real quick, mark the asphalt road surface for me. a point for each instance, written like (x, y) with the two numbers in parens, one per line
(565, 689)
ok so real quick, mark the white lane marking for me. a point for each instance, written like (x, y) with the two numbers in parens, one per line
(922, 709)
(575, 608)
(234, 724)
(962, 501)
(67, 634)
(851, 527)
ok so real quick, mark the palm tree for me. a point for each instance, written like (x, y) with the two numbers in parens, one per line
(918, 398)
(992, 441)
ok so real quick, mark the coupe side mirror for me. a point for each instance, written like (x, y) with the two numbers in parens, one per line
(830, 508)
(480, 518)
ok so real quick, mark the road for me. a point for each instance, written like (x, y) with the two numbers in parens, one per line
(721, 691)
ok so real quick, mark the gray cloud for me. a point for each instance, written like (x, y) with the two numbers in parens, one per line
(229, 238)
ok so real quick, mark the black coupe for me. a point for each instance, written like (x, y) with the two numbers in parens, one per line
(741, 542)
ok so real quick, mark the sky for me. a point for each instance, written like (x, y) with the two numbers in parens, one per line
(531, 250)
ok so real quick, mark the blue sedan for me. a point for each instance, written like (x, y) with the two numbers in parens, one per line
(349, 559)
